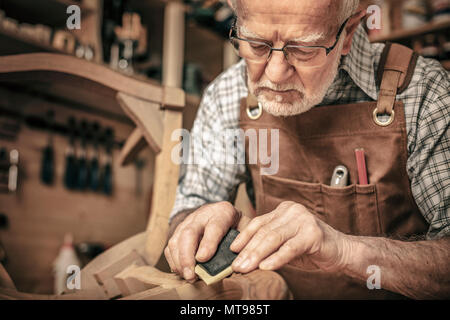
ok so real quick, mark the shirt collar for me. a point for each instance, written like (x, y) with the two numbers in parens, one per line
(360, 63)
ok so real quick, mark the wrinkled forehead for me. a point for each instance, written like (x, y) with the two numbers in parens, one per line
(302, 16)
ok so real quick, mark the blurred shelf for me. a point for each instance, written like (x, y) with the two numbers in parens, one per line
(49, 12)
(147, 4)
(14, 43)
(410, 33)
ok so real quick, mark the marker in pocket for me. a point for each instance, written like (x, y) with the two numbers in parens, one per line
(340, 177)
(361, 166)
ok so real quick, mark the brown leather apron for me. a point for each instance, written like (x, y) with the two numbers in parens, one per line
(312, 144)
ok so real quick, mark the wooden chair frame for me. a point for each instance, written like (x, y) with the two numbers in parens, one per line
(128, 269)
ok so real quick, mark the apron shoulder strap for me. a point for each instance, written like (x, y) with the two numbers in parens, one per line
(395, 70)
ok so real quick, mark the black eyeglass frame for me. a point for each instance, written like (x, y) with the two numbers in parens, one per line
(327, 49)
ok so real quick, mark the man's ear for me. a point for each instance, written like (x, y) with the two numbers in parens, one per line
(350, 29)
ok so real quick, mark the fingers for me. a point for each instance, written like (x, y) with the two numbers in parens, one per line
(269, 237)
(214, 232)
(249, 231)
(217, 226)
(172, 255)
(260, 246)
(208, 224)
(187, 247)
(169, 259)
(304, 243)
(172, 250)
(288, 251)
(243, 222)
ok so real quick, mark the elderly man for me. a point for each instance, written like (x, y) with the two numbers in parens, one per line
(309, 71)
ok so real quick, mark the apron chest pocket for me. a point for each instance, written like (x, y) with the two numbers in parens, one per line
(352, 209)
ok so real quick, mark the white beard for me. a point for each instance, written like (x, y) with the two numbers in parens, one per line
(278, 108)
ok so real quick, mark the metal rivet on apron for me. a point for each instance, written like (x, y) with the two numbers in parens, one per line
(254, 113)
(380, 123)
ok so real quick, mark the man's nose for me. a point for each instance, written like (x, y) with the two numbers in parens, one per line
(278, 70)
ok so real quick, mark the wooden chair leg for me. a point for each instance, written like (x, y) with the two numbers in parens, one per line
(165, 186)
(256, 285)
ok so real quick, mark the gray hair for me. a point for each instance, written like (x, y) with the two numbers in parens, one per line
(347, 8)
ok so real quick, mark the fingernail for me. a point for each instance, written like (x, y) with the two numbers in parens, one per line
(201, 253)
(187, 273)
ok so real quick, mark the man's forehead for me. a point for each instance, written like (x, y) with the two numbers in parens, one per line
(303, 16)
(288, 11)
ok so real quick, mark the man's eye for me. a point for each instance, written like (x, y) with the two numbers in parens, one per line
(258, 46)
(302, 53)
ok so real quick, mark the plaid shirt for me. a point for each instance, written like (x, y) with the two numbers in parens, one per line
(427, 112)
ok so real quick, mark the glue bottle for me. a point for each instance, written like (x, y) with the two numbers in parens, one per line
(66, 257)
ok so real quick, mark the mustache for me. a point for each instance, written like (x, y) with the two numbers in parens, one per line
(267, 84)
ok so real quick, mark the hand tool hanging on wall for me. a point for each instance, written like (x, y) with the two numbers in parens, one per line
(112, 16)
(94, 172)
(47, 164)
(107, 169)
(70, 173)
(13, 175)
(4, 169)
(4, 221)
(83, 170)
(4, 224)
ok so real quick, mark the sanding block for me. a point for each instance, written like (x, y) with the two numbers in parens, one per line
(219, 266)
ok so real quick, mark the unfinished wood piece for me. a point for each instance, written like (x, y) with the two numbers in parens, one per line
(259, 285)
(136, 279)
(147, 116)
(129, 286)
(105, 277)
(166, 170)
(173, 44)
(120, 251)
(12, 294)
(165, 185)
(196, 291)
(256, 285)
(134, 144)
(79, 80)
(173, 96)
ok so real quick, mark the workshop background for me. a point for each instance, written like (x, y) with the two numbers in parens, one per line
(59, 177)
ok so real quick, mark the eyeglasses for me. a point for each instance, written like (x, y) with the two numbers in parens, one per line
(298, 56)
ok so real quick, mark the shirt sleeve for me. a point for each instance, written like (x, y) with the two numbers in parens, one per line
(429, 162)
(206, 177)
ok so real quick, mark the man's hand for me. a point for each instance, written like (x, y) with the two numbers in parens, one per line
(289, 234)
(202, 229)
